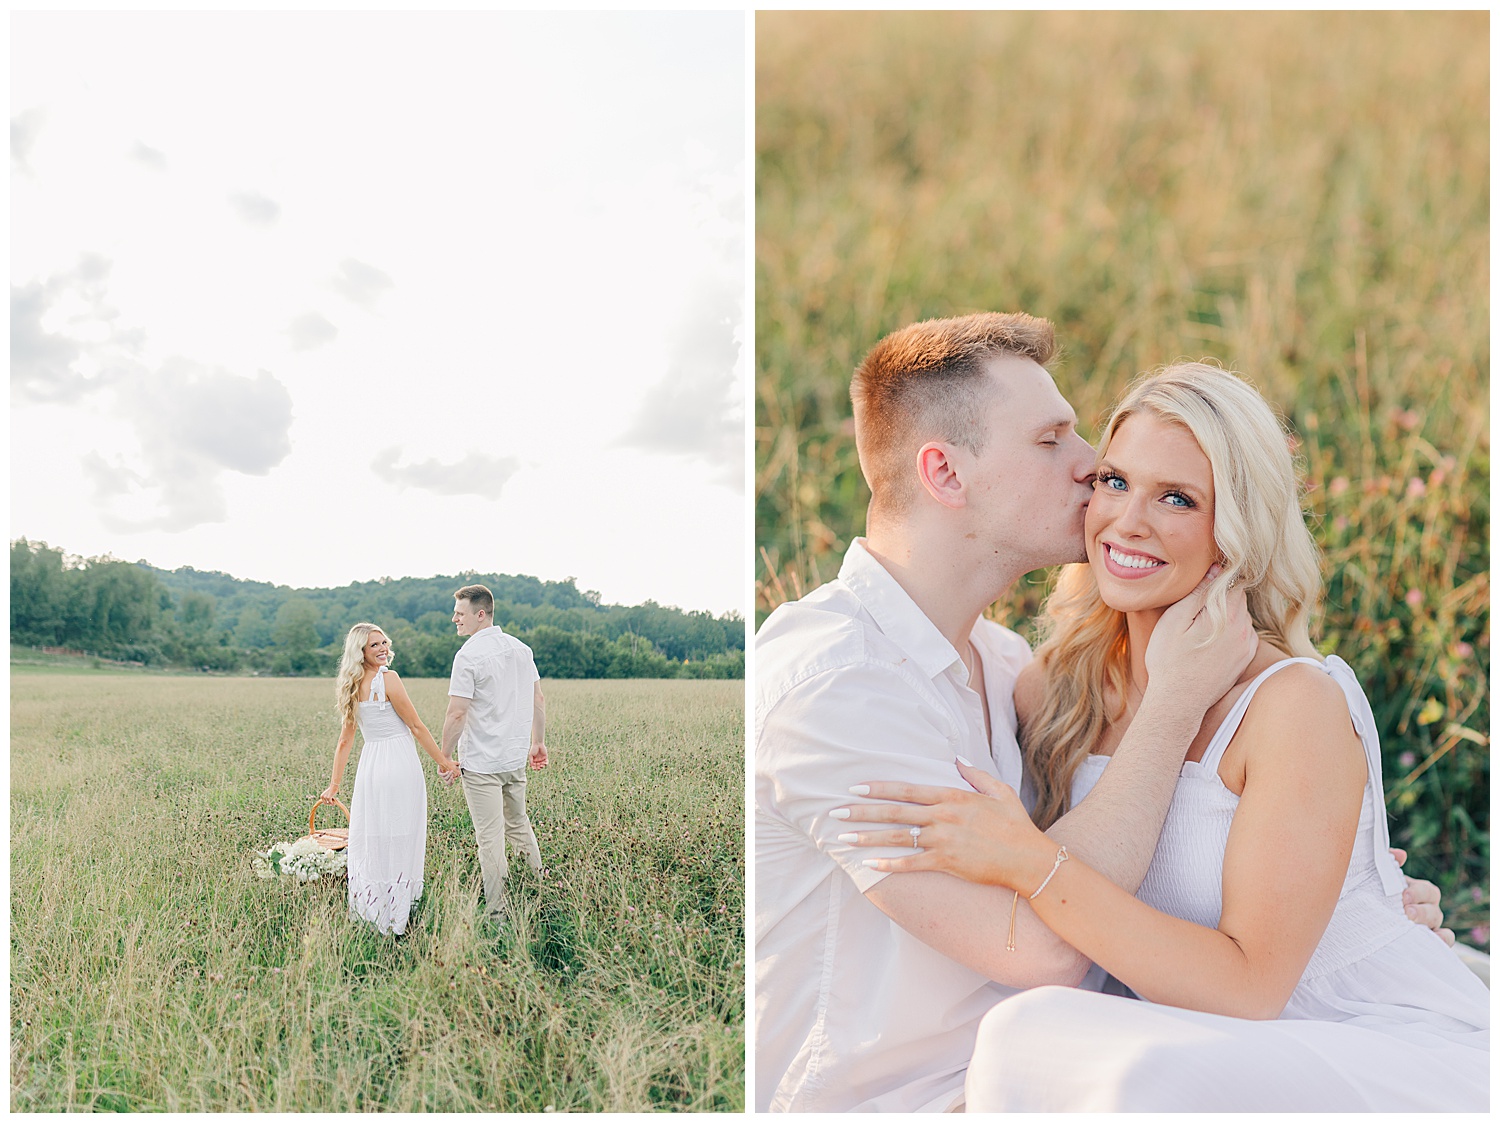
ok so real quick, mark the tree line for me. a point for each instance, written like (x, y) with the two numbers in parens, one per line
(134, 612)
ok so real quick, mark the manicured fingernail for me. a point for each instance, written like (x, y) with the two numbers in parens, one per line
(839, 813)
(1412, 912)
(965, 763)
(851, 837)
(860, 789)
(873, 862)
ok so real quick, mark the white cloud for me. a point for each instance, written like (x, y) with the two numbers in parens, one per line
(25, 127)
(192, 424)
(65, 339)
(221, 419)
(311, 330)
(696, 408)
(361, 283)
(149, 157)
(473, 475)
(255, 208)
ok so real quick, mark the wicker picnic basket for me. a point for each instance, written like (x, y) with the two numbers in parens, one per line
(330, 838)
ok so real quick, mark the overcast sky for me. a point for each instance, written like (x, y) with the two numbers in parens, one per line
(314, 299)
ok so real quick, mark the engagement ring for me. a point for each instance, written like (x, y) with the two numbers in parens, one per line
(916, 833)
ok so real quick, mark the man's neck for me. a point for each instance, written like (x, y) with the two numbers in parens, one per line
(948, 583)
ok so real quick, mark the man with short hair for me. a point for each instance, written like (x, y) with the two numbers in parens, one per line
(496, 720)
(869, 987)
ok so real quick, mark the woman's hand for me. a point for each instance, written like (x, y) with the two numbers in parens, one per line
(330, 792)
(448, 769)
(983, 836)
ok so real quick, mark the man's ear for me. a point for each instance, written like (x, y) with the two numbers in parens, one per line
(939, 475)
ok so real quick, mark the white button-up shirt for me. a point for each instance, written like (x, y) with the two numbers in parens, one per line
(854, 683)
(496, 671)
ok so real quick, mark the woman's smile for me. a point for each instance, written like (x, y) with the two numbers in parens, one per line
(1130, 564)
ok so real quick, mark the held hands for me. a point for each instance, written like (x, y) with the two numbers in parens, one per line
(983, 836)
(1181, 660)
(449, 770)
(538, 758)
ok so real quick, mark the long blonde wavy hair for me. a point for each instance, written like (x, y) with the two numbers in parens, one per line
(1261, 536)
(352, 669)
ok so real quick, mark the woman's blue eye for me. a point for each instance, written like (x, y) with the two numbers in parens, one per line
(1112, 483)
(1177, 499)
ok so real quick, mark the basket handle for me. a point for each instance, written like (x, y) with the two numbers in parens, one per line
(313, 815)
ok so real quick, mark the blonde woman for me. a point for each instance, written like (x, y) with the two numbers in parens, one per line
(388, 814)
(1268, 939)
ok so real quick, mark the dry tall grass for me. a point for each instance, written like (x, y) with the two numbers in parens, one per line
(150, 970)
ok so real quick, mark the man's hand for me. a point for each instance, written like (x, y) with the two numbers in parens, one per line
(1182, 662)
(449, 772)
(538, 759)
(1423, 902)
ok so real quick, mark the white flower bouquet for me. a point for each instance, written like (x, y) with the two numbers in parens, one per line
(304, 859)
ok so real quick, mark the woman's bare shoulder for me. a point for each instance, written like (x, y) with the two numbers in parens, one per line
(1301, 686)
(1300, 718)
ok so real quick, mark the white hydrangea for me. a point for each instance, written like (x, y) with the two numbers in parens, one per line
(304, 859)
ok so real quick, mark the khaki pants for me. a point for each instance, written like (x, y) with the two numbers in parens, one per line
(497, 805)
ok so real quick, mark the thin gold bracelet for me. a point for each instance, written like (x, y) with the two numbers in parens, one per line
(1010, 939)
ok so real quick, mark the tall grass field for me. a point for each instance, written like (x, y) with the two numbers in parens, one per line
(152, 970)
(1303, 196)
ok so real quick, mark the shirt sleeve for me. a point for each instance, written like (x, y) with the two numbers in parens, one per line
(850, 726)
(461, 683)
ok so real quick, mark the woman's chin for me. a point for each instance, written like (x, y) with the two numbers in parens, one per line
(1133, 600)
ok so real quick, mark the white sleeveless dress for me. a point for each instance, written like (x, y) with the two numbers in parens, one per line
(387, 818)
(1385, 1018)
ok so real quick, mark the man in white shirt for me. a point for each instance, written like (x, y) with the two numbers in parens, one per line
(495, 725)
(869, 987)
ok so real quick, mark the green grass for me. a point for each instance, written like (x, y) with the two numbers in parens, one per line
(67, 663)
(151, 970)
(1302, 196)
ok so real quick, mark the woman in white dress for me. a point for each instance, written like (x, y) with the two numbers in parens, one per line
(388, 814)
(1268, 939)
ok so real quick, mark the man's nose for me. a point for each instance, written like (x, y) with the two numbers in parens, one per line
(1083, 469)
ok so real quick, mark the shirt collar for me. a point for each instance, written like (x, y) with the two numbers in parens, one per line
(484, 632)
(895, 612)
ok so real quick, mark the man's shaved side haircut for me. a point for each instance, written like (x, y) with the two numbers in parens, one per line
(479, 597)
(926, 383)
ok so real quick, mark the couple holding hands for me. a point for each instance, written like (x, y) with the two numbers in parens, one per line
(495, 723)
(1146, 867)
